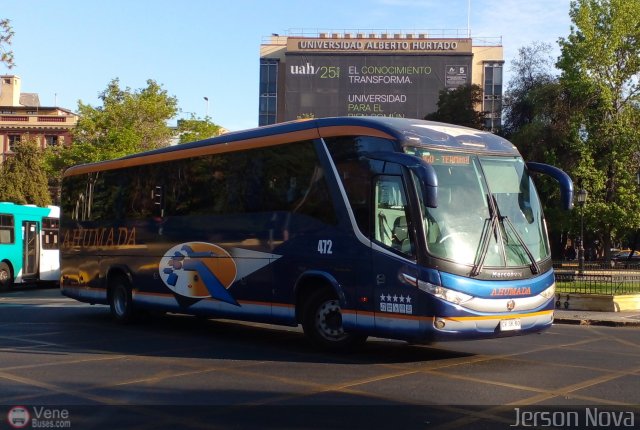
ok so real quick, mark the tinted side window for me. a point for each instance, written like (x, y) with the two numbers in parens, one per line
(285, 178)
(95, 196)
(105, 195)
(391, 212)
(6, 229)
(136, 186)
(74, 204)
(280, 178)
(343, 147)
(355, 173)
(296, 182)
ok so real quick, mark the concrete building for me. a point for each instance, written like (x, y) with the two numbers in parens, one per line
(369, 72)
(21, 115)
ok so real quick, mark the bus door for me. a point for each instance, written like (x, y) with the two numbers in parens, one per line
(30, 249)
(393, 249)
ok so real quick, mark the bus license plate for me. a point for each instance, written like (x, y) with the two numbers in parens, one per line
(508, 325)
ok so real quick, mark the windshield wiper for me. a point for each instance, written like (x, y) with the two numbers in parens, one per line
(492, 225)
(534, 266)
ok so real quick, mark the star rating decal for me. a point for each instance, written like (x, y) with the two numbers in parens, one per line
(399, 304)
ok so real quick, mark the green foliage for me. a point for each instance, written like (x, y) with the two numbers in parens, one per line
(587, 120)
(600, 63)
(538, 119)
(24, 180)
(127, 122)
(194, 129)
(525, 101)
(6, 34)
(458, 107)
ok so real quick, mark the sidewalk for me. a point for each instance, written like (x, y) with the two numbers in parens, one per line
(611, 319)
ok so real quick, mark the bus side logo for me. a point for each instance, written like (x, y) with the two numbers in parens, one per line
(199, 270)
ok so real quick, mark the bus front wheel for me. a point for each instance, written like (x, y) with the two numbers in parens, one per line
(322, 322)
(6, 278)
(121, 300)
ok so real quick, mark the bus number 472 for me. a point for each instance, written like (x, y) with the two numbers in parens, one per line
(324, 246)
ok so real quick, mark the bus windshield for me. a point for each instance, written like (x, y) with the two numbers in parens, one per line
(473, 191)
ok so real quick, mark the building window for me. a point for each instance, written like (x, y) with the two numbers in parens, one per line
(52, 140)
(493, 95)
(13, 140)
(268, 91)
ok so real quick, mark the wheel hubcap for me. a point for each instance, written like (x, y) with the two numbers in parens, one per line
(329, 321)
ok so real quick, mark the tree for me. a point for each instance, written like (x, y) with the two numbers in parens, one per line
(600, 62)
(127, 122)
(457, 106)
(6, 34)
(531, 70)
(193, 129)
(24, 180)
(538, 119)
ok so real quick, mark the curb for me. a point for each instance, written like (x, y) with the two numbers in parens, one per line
(596, 322)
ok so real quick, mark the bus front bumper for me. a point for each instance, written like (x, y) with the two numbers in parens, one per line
(476, 327)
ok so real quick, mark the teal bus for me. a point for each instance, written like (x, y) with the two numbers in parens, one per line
(350, 227)
(29, 247)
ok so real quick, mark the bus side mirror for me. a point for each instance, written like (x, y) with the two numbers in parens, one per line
(425, 172)
(429, 183)
(566, 184)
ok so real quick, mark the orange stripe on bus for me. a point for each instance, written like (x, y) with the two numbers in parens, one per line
(224, 147)
(141, 293)
(497, 317)
(217, 148)
(387, 315)
(344, 130)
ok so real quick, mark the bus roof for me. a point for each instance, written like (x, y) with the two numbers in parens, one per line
(409, 132)
(15, 208)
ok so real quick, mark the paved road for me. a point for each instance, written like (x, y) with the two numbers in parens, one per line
(182, 372)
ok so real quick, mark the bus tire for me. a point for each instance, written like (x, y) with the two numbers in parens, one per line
(322, 322)
(121, 300)
(6, 278)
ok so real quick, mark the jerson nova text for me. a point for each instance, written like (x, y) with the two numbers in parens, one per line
(587, 418)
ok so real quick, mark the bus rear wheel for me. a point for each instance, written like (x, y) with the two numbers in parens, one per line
(322, 323)
(121, 300)
(6, 278)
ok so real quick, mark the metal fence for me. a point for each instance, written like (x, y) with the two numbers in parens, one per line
(598, 277)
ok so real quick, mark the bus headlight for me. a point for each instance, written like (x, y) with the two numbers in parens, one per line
(549, 292)
(451, 296)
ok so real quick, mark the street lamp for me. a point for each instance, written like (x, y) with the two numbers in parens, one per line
(582, 199)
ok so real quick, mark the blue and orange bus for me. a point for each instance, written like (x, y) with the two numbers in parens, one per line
(29, 248)
(351, 227)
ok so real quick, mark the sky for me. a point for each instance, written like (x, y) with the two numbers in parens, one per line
(68, 51)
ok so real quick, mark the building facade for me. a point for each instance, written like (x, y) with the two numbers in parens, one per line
(371, 73)
(21, 115)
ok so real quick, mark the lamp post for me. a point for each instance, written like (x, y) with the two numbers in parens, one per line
(582, 199)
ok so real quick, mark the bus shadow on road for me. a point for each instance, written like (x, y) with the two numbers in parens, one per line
(91, 330)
